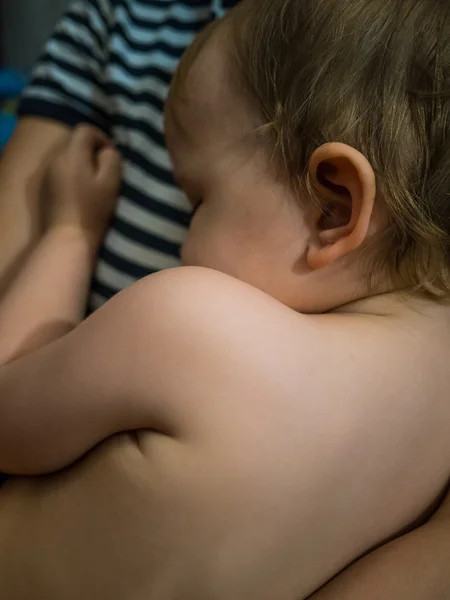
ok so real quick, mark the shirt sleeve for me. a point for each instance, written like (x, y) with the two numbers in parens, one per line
(68, 82)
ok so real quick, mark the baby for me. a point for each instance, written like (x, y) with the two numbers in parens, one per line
(291, 395)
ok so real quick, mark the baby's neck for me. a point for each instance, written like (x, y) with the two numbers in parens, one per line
(397, 304)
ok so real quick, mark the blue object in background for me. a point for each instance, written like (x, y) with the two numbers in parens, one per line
(7, 125)
(11, 86)
(11, 83)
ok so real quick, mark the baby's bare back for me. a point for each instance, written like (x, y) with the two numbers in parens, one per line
(296, 445)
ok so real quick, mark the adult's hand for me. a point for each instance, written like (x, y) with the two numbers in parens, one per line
(22, 169)
(413, 567)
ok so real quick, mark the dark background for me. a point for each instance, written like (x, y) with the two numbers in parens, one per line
(24, 26)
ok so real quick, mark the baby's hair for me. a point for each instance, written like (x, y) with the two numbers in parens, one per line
(374, 74)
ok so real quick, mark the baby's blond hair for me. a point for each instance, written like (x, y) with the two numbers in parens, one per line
(373, 74)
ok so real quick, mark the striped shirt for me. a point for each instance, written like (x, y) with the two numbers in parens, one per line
(110, 63)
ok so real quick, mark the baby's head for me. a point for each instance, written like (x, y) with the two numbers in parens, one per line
(313, 137)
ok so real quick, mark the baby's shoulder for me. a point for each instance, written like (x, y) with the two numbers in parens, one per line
(203, 307)
(219, 306)
(213, 322)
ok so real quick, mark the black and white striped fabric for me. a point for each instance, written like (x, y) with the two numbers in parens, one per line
(109, 63)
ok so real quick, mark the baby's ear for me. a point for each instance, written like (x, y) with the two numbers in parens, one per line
(345, 184)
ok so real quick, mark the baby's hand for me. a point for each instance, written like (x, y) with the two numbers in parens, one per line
(83, 183)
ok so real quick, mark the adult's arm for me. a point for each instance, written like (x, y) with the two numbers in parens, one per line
(413, 567)
(47, 298)
(22, 169)
(66, 89)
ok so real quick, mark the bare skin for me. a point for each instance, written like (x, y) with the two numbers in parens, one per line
(275, 447)
(33, 146)
(269, 462)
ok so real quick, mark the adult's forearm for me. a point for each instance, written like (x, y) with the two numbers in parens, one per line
(47, 298)
(22, 169)
(20, 227)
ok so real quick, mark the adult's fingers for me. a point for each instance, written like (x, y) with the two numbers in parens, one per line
(86, 142)
(109, 169)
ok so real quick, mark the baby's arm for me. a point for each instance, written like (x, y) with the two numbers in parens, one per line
(122, 369)
(62, 399)
(154, 357)
(48, 296)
